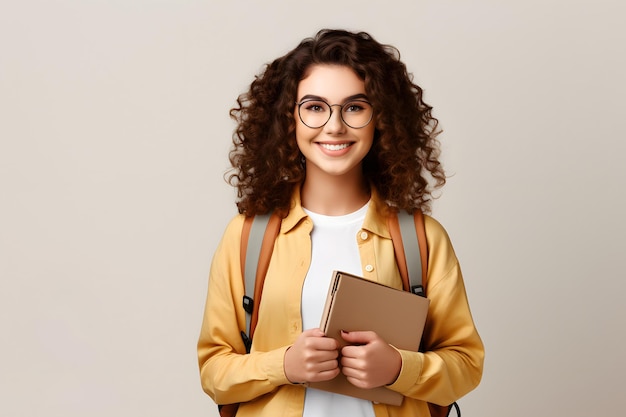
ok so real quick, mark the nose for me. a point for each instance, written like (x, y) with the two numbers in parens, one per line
(335, 124)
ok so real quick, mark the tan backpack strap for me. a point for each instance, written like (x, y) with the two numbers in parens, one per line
(398, 248)
(265, 255)
(420, 229)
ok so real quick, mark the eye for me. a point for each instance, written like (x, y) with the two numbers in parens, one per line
(314, 106)
(355, 107)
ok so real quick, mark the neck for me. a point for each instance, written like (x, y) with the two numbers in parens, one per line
(335, 196)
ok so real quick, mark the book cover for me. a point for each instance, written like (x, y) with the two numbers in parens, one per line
(357, 304)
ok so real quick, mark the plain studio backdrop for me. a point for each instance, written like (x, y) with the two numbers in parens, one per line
(114, 136)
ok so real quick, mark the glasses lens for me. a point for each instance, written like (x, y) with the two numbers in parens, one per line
(357, 114)
(314, 113)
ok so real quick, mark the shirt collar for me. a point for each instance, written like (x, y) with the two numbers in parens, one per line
(375, 217)
(296, 213)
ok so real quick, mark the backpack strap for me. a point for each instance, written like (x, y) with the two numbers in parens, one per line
(408, 235)
(257, 244)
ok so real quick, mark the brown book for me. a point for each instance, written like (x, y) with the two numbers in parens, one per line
(357, 304)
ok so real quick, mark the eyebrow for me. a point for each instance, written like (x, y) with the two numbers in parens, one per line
(350, 98)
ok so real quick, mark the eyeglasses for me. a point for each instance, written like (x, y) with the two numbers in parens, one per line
(315, 113)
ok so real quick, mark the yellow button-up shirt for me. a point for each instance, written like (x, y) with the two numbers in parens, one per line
(450, 366)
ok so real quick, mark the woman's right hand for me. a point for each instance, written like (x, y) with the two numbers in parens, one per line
(312, 358)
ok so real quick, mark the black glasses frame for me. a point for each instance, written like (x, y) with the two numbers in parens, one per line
(330, 106)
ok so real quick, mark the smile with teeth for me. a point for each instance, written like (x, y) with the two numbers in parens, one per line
(334, 146)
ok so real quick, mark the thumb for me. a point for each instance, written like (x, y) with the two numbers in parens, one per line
(315, 332)
(358, 337)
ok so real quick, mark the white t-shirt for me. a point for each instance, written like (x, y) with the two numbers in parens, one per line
(334, 247)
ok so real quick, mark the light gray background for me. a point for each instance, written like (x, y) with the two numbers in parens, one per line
(114, 136)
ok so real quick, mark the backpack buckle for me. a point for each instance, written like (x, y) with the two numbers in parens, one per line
(248, 304)
(246, 341)
(417, 290)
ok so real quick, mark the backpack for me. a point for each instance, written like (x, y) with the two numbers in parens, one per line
(408, 235)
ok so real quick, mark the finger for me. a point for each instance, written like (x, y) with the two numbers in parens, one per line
(352, 363)
(320, 366)
(324, 375)
(356, 377)
(321, 343)
(315, 332)
(320, 356)
(316, 340)
(321, 371)
(355, 352)
(359, 383)
(352, 372)
(359, 337)
(329, 365)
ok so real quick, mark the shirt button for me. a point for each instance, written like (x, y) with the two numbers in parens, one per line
(369, 268)
(364, 235)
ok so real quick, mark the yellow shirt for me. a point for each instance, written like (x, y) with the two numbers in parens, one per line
(450, 367)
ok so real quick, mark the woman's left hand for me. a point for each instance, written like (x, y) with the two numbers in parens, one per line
(369, 361)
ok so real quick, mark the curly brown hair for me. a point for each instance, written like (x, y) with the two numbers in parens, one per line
(403, 163)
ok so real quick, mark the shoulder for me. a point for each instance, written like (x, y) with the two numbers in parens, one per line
(440, 249)
(232, 233)
(435, 230)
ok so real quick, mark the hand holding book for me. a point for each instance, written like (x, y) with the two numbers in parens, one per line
(369, 361)
(381, 318)
(312, 358)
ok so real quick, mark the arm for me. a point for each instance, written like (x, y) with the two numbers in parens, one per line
(227, 374)
(452, 362)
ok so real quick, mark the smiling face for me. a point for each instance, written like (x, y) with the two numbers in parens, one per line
(334, 149)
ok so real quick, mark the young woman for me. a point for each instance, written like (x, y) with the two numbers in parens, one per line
(334, 136)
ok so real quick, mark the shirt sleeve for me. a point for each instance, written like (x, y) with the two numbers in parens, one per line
(450, 362)
(227, 373)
